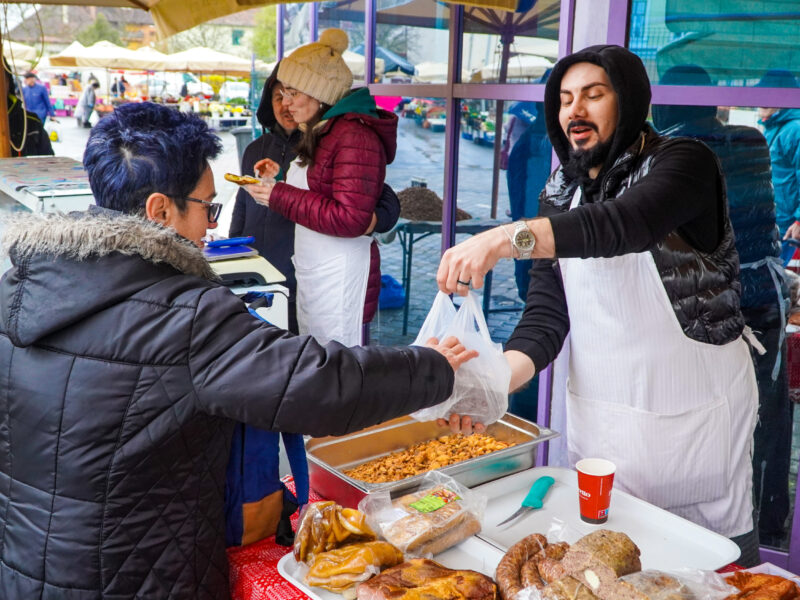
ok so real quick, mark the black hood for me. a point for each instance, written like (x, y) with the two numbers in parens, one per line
(629, 79)
(265, 114)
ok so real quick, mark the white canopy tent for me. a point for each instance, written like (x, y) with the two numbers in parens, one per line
(519, 67)
(206, 60)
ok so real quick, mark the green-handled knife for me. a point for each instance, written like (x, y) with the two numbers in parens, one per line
(534, 498)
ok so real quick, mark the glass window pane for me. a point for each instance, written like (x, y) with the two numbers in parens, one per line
(412, 41)
(736, 42)
(735, 135)
(350, 18)
(417, 175)
(529, 49)
(296, 29)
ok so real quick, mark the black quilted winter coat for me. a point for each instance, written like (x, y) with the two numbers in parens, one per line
(122, 368)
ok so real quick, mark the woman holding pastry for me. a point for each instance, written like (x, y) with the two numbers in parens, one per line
(331, 189)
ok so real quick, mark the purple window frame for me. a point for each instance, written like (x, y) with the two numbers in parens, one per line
(454, 91)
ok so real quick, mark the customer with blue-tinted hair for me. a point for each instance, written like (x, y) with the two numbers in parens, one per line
(125, 366)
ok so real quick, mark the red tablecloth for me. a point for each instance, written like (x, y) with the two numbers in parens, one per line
(254, 568)
(793, 365)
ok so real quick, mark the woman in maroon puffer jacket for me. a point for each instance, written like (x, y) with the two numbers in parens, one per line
(331, 189)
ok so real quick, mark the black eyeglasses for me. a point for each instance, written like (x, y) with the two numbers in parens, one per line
(214, 208)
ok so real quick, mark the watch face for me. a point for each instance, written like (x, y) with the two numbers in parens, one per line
(524, 239)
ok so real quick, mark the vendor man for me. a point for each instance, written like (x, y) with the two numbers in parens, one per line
(635, 259)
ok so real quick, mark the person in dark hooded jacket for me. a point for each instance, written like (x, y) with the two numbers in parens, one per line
(635, 258)
(745, 159)
(274, 233)
(125, 365)
(331, 189)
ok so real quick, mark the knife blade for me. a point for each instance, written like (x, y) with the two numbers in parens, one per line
(534, 498)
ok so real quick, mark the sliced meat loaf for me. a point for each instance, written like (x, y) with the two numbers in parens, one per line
(598, 559)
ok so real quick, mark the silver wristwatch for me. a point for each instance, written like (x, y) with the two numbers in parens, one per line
(522, 239)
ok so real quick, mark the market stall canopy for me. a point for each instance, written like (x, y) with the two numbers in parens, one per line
(731, 45)
(169, 16)
(17, 51)
(208, 61)
(106, 55)
(356, 63)
(434, 72)
(519, 67)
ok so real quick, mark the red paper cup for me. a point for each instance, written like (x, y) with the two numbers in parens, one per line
(595, 478)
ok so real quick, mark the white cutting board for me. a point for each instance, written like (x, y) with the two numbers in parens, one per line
(665, 540)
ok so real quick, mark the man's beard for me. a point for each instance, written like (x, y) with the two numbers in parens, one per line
(581, 160)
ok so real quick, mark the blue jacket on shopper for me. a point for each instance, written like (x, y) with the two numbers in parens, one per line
(37, 100)
(782, 131)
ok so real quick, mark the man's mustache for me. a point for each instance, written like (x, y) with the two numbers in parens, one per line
(581, 123)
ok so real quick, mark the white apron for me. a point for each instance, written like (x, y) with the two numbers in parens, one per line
(332, 274)
(674, 414)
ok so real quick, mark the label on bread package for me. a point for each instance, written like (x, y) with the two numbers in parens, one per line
(435, 500)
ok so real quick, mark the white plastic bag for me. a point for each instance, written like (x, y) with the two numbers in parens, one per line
(481, 384)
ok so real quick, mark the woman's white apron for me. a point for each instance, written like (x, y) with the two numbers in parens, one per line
(332, 274)
(674, 414)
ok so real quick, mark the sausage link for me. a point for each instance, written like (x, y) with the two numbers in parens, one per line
(508, 574)
(529, 574)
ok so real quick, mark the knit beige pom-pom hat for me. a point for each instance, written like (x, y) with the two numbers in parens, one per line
(317, 69)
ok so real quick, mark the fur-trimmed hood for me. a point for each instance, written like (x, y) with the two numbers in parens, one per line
(66, 267)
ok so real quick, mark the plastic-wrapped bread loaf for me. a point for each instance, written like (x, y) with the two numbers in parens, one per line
(599, 558)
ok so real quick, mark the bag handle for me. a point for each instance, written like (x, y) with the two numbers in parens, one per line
(473, 309)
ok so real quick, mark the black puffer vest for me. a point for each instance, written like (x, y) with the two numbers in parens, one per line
(703, 288)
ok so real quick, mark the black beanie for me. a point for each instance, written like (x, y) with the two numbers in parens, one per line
(628, 78)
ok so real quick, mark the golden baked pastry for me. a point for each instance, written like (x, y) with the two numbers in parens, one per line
(325, 526)
(426, 456)
(340, 569)
(241, 179)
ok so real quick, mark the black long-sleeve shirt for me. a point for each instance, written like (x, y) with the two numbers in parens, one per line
(680, 192)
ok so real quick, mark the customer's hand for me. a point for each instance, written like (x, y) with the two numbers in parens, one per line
(453, 350)
(793, 232)
(266, 167)
(260, 192)
(468, 262)
(459, 424)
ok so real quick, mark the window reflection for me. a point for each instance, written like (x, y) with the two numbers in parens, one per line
(510, 47)
(412, 39)
(736, 47)
(349, 17)
(736, 137)
(296, 29)
(417, 175)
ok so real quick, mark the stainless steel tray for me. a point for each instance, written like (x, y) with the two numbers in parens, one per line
(329, 457)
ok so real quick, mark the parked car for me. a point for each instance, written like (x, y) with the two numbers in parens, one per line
(234, 89)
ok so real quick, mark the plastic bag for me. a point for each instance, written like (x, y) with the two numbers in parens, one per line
(481, 384)
(679, 584)
(439, 515)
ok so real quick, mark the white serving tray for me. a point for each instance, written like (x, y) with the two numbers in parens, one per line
(666, 540)
(472, 553)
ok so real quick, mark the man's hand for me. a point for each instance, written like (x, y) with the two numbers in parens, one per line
(459, 424)
(793, 231)
(468, 262)
(53, 120)
(266, 167)
(453, 350)
(260, 192)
